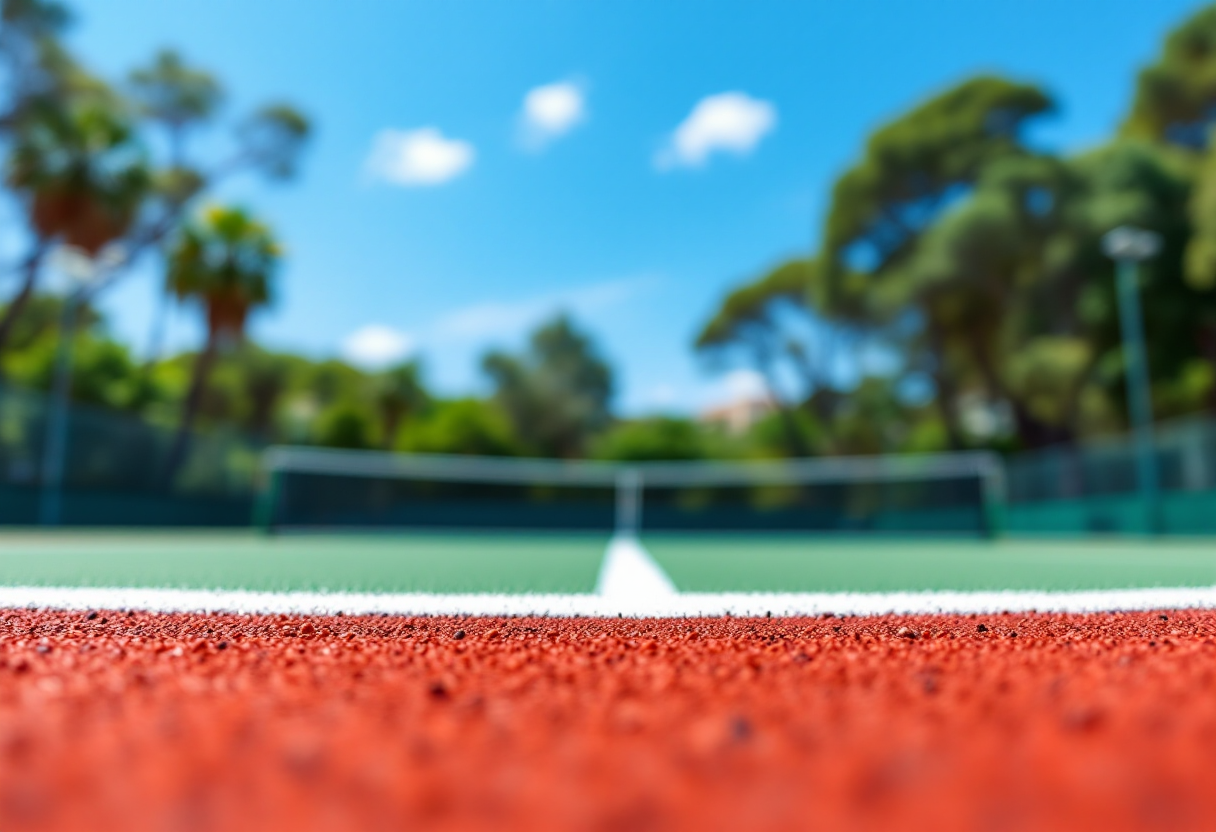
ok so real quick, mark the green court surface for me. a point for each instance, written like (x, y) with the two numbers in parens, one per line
(434, 562)
(779, 563)
(513, 562)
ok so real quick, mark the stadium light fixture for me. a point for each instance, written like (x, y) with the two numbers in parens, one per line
(1129, 247)
(82, 272)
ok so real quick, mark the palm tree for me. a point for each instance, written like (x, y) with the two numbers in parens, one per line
(179, 99)
(82, 176)
(225, 263)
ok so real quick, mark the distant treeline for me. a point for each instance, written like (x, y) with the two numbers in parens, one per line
(958, 297)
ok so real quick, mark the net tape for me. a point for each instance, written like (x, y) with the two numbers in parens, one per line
(381, 464)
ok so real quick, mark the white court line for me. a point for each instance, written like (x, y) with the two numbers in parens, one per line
(679, 605)
(628, 573)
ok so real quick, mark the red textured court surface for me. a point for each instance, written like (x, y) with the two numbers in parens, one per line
(187, 722)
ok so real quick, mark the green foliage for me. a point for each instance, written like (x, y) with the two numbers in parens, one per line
(770, 437)
(40, 321)
(967, 261)
(772, 325)
(79, 169)
(911, 169)
(746, 314)
(171, 91)
(557, 393)
(1200, 261)
(177, 97)
(34, 63)
(37, 18)
(103, 372)
(1175, 97)
(399, 393)
(331, 380)
(225, 261)
(345, 425)
(654, 439)
(1045, 373)
(462, 426)
(248, 388)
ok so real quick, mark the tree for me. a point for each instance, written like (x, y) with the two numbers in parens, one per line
(41, 318)
(655, 439)
(225, 263)
(1175, 105)
(178, 99)
(82, 178)
(265, 378)
(66, 133)
(33, 65)
(399, 393)
(1175, 100)
(770, 324)
(972, 274)
(247, 387)
(912, 169)
(345, 425)
(463, 426)
(915, 166)
(103, 369)
(557, 393)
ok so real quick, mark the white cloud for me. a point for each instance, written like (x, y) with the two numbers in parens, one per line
(421, 157)
(735, 386)
(376, 345)
(486, 321)
(551, 111)
(730, 122)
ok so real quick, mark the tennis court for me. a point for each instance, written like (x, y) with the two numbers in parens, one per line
(538, 562)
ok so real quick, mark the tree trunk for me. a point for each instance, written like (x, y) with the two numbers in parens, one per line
(30, 270)
(190, 408)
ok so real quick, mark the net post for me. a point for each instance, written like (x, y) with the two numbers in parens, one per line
(628, 502)
(991, 470)
(267, 500)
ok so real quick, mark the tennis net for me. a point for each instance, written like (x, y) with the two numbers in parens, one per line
(317, 488)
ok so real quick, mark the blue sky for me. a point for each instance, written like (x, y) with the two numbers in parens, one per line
(674, 149)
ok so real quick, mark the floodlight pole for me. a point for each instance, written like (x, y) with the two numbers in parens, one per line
(1129, 247)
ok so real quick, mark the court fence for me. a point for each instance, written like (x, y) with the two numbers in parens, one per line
(116, 469)
(1092, 488)
(116, 473)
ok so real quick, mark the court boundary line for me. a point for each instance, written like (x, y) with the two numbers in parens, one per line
(682, 605)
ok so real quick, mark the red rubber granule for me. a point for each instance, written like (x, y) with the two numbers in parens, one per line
(138, 721)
